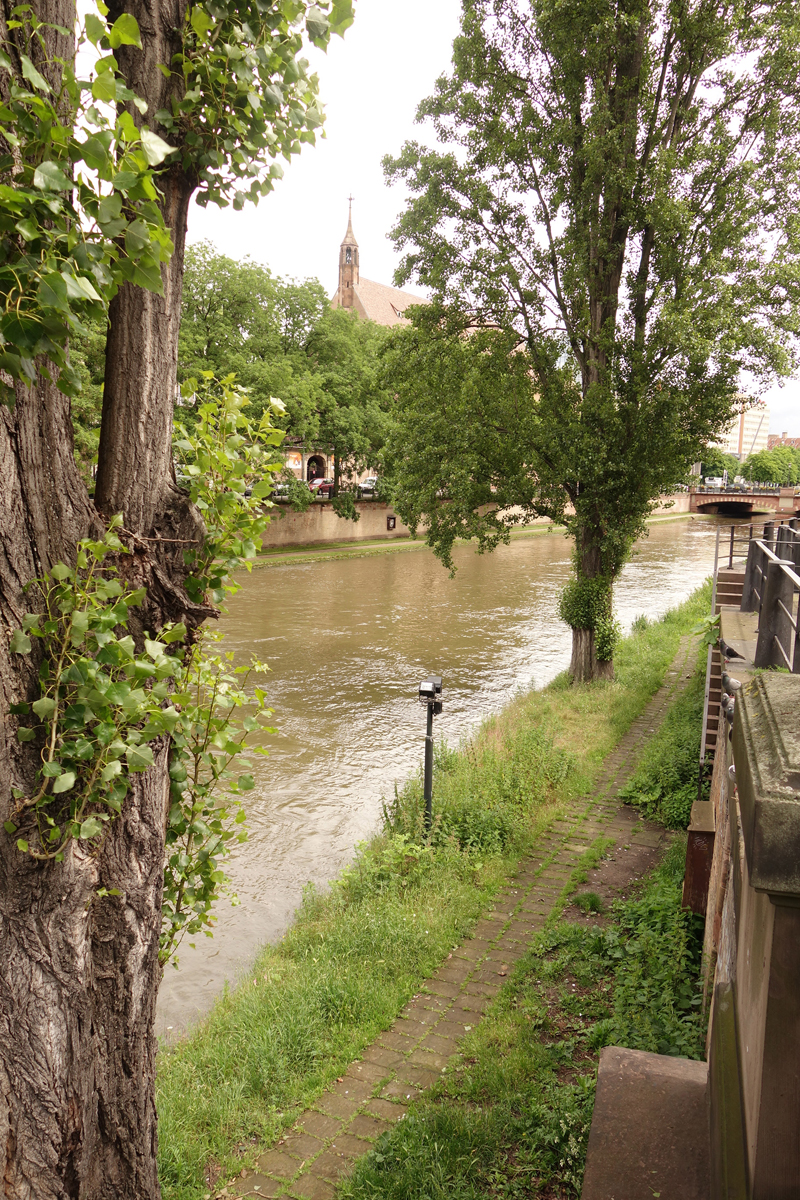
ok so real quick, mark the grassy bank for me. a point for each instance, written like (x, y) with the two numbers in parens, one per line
(356, 954)
(513, 1118)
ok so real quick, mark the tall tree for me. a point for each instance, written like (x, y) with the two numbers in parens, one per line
(215, 92)
(617, 188)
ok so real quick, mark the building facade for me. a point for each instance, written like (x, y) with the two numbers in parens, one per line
(747, 433)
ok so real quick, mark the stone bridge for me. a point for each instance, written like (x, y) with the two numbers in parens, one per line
(785, 502)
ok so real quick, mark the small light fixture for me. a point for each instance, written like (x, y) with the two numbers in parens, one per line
(430, 694)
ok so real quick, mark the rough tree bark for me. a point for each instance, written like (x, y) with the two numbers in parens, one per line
(79, 975)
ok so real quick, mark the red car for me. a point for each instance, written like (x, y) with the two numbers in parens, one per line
(321, 487)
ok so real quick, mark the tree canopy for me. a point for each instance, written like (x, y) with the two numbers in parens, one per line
(615, 191)
(780, 465)
(282, 338)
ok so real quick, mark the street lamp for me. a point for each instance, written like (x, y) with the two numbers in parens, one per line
(430, 694)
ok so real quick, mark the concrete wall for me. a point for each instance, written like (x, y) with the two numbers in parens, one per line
(319, 523)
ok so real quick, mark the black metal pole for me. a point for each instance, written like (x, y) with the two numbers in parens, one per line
(428, 790)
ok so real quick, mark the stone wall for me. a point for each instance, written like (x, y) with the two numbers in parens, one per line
(319, 524)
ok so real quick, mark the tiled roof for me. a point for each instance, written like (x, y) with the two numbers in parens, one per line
(382, 304)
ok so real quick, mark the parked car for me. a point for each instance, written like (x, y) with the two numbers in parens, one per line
(321, 487)
(368, 487)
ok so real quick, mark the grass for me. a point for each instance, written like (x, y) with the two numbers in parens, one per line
(356, 953)
(513, 1119)
(664, 784)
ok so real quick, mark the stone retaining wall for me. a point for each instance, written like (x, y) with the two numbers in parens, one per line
(319, 524)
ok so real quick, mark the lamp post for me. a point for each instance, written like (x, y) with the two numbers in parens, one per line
(430, 694)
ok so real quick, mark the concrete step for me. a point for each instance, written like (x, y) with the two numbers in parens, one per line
(649, 1133)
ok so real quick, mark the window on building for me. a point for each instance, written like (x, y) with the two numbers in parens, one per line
(348, 255)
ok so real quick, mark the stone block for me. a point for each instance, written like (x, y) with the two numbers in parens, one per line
(396, 1041)
(386, 1110)
(410, 1029)
(419, 1076)
(330, 1165)
(649, 1133)
(440, 1045)
(276, 1163)
(260, 1185)
(442, 987)
(382, 1056)
(354, 1089)
(398, 1089)
(311, 1188)
(365, 1126)
(370, 1071)
(334, 1105)
(302, 1145)
(319, 1124)
(350, 1145)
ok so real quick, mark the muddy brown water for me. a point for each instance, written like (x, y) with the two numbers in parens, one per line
(348, 641)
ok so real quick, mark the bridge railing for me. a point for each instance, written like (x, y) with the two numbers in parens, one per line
(772, 589)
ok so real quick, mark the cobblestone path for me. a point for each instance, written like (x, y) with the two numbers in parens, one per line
(376, 1090)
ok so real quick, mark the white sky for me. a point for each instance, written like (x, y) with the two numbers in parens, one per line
(371, 83)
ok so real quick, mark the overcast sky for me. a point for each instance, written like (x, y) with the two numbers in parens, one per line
(371, 83)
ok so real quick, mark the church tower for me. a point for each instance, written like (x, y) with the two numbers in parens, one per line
(348, 264)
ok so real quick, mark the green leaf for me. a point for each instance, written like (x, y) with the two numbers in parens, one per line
(109, 771)
(51, 770)
(80, 288)
(155, 148)
(22, 845)
(139, 757)
(96, 154)
(125, 32)
(49, 177)
(20, 642)
(29, 230)
(64, 782)
(26, 735)
(245, 783)
(200, 21)
(91, 827)
(175, 634)
(61, 571)
(32, 75)
(104, 88)
(95, 28)
(9, 827)
(44, 707)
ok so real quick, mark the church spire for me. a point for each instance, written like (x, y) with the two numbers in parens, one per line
(348, 263)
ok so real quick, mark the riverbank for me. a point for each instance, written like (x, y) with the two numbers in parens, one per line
(357, 953)
(323, 552)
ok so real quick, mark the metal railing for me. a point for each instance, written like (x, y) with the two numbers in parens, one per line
(773, 574)
(772, 589)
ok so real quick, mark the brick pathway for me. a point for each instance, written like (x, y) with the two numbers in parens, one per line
(375, 1090)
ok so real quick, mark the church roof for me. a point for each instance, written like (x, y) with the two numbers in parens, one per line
(382, 304)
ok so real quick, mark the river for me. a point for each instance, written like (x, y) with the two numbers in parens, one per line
(348, 641)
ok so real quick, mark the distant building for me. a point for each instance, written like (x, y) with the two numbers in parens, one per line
(782, 439)
(747, 433)
(372, 301)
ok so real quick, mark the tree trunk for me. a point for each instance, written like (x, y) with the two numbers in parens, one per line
(79, 973)
(584, 665)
